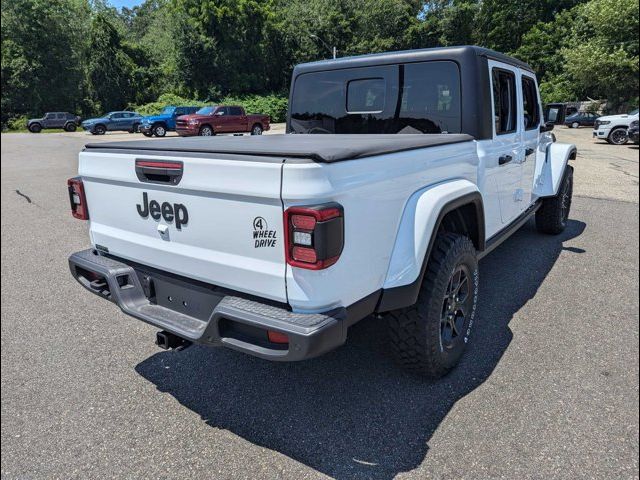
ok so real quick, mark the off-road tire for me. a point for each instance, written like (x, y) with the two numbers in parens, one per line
(35, 128)
(416, 331)
(553, 214)
(616, 136)
(70, 127)
(159, 130)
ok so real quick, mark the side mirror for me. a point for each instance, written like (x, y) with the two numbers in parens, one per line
(547, 127)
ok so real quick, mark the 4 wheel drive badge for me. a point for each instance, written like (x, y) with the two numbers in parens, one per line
(262, 236)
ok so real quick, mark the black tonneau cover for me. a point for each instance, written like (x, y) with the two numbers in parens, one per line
(320, 148)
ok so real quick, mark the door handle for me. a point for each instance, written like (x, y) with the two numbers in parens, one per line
(528, 151)
(504, 159)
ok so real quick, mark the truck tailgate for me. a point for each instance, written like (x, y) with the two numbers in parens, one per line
(221, 223)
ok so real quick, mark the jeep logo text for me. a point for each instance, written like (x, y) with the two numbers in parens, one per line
(169, 212)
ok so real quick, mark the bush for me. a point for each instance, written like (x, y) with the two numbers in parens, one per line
(17, 123)
(165, 100)
(273, 105)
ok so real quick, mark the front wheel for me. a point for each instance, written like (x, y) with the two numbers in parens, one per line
(99, 130)
(159, 131)
(147, 134)
(553, 214)
(618, 136)
(575, 125)
(206, 131)
(35, 128)
(430, 337)
(256, 129)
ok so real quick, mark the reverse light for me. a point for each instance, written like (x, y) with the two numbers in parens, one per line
(77, 198)
(314, 235)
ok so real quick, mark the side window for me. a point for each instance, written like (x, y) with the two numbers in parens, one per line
(531, 108)
(179, 111)
(504, 101)
(430, 98)
(222, 111)
(366, 95)
(235, 111)
(61, 116)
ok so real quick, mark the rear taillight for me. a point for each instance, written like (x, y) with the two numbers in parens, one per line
(77, 198)
(314, 236)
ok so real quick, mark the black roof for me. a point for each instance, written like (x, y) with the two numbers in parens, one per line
(405, 56)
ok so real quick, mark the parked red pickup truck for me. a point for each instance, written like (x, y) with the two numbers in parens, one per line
(221, 119)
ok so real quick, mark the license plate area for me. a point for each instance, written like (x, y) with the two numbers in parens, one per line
(181, 296)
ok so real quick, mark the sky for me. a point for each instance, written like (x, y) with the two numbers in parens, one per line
(125, 3)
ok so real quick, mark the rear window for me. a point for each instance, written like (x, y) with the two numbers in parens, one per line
(419, 97)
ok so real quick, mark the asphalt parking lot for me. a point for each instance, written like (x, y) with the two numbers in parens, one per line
(548, 388)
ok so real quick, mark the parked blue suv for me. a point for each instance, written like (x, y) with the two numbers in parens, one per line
(159, 125)
(113, 121)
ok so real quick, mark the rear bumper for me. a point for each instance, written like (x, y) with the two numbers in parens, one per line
(205, 314)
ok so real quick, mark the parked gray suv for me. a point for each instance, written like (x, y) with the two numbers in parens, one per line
(67, 121)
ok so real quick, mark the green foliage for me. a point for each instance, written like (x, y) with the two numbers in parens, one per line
(165, 100)
(42, 55)
(273, 105)
(17, 123)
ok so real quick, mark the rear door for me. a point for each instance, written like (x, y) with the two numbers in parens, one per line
(238, 119)
(531, 121)
(504, 153)
(218, 221)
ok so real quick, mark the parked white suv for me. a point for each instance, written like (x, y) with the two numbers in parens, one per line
(613, 128)
(275, 245)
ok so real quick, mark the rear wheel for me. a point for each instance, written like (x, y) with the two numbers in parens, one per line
(553, 215)
(70, 127)
(429, 337)
(206, 131)
(618, 136)
(256, 129)
(159, 130)
(134, 129)
(35, 128)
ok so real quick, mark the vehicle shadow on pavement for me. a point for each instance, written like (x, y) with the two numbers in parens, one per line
(353, 413)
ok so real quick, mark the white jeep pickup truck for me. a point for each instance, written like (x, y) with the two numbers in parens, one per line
(398, 173)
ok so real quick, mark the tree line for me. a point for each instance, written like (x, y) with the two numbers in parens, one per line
(87, 57)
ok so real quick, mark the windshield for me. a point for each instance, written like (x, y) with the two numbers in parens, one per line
(167, 110)
(206, 110)
(634, 112)
(424, 98)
